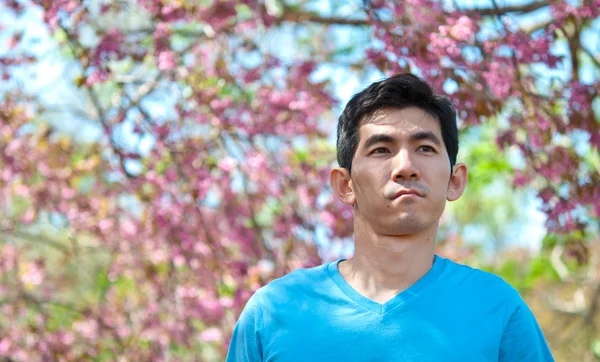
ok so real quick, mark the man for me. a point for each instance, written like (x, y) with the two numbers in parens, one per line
(394, 300)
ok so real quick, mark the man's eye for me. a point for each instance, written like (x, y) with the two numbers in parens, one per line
(380, 150)
(426, 149)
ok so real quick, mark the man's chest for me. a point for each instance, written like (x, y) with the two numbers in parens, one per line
(365, 336)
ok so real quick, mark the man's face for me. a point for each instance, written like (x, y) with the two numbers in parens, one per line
(400, 172)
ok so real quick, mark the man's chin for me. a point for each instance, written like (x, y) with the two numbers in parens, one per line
(406, 226)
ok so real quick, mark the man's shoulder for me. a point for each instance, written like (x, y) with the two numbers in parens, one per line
(291, 285)
(476, 279)
(299, 277)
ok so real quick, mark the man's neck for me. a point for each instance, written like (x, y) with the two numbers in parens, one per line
(384, 266)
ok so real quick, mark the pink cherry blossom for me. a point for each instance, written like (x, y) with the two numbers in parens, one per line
(192, 192)
(99, 76)
(211, 334)
(228, 164)
(166, 60)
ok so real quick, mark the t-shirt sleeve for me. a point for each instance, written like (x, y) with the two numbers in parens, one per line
(523, 339)
(246, 345)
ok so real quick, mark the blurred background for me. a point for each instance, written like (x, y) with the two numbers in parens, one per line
(160, 160)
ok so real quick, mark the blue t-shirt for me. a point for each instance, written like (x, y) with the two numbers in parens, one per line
(453, 313)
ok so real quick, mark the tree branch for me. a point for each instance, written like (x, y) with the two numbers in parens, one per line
(75, 47)
(595, 59)
(294, 16)
(557, 264)
(588, 316)
(520, 9)
(576, 306)
(249, 198)
(537, 26)
(143, 90)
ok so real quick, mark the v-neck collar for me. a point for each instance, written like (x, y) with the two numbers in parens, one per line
(401, 298)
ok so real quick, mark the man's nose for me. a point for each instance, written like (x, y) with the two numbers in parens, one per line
(404, 167)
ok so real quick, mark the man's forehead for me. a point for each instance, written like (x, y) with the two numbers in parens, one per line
(405, 119)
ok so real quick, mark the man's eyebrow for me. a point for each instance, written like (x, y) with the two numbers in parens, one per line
(377, 138)
(426, 135)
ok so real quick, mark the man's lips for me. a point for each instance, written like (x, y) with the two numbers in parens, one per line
(403, 192)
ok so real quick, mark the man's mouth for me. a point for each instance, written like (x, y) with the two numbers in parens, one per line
(406, 192)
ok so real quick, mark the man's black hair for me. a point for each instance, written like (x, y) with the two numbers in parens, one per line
(397, 92)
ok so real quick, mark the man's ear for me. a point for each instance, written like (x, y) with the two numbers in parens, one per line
(339, 179)
(458, 182)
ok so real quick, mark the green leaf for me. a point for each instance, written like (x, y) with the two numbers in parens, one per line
(301, 155)
(541, 268)
(102, 283)
(595, 347)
